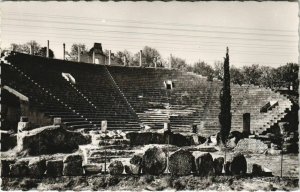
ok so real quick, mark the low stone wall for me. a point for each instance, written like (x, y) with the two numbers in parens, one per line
(144, 138)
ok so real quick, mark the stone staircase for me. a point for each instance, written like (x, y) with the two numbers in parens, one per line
(273, 116)
(105, 148)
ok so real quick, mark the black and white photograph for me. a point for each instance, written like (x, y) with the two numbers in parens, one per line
(149, 96)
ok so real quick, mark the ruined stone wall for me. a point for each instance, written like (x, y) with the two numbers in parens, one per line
(35, 117)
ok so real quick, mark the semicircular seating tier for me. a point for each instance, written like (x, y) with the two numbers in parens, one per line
(128, 97)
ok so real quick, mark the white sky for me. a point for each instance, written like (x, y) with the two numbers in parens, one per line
(263, 33)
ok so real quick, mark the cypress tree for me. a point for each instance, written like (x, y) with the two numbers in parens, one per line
(225, 100)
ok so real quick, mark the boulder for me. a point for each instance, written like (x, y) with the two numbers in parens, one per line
(5, 167)
(37, 167)
(54, 168)
(51, 140)
(91, 169)
(116, 168)
(133, 169)
(251, 146)
(181, 163)
(137, 159)
(154, 161)
(257, 170)
(135, 166)
(238, 164)
(218, 165)
(73, 165)
(19, 169)
(205, 165)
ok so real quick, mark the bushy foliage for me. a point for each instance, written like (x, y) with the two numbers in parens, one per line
(25, 48)
(219, 70)
(178, 63)
(120, 55)
(204, 69)
(236, 75)
(43, 52)
(150, 56)
(74, 51)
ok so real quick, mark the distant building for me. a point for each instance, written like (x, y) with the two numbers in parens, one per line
(94, 55)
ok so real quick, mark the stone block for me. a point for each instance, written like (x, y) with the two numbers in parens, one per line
(181, 163)
(137, 159)
(116, 168)
(92, 169)
(154, 161)
(19, 169)
(238, 164)
(133, 169)
(5, 167)
(54, 168)
(73, 168)
(218, 165)
(227, 168)
(37, 167)
(204, 165)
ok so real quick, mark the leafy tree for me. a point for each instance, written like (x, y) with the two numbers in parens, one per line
(74, 51)
(25, 48)
(219, 70)
(288, 75)
(150, 56)
(225, 100)
(252, 74)
(119, 57)
(136, 59)
(236, 75)
(204, 69)
(189, 68)
(178, 63)
(43, 52)
(267, 76)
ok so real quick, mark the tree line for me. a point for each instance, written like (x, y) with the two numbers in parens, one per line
(283, 76)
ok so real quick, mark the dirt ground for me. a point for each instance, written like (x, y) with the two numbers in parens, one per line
(153, 183)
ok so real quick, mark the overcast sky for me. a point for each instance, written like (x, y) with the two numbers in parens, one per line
(264, 33)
